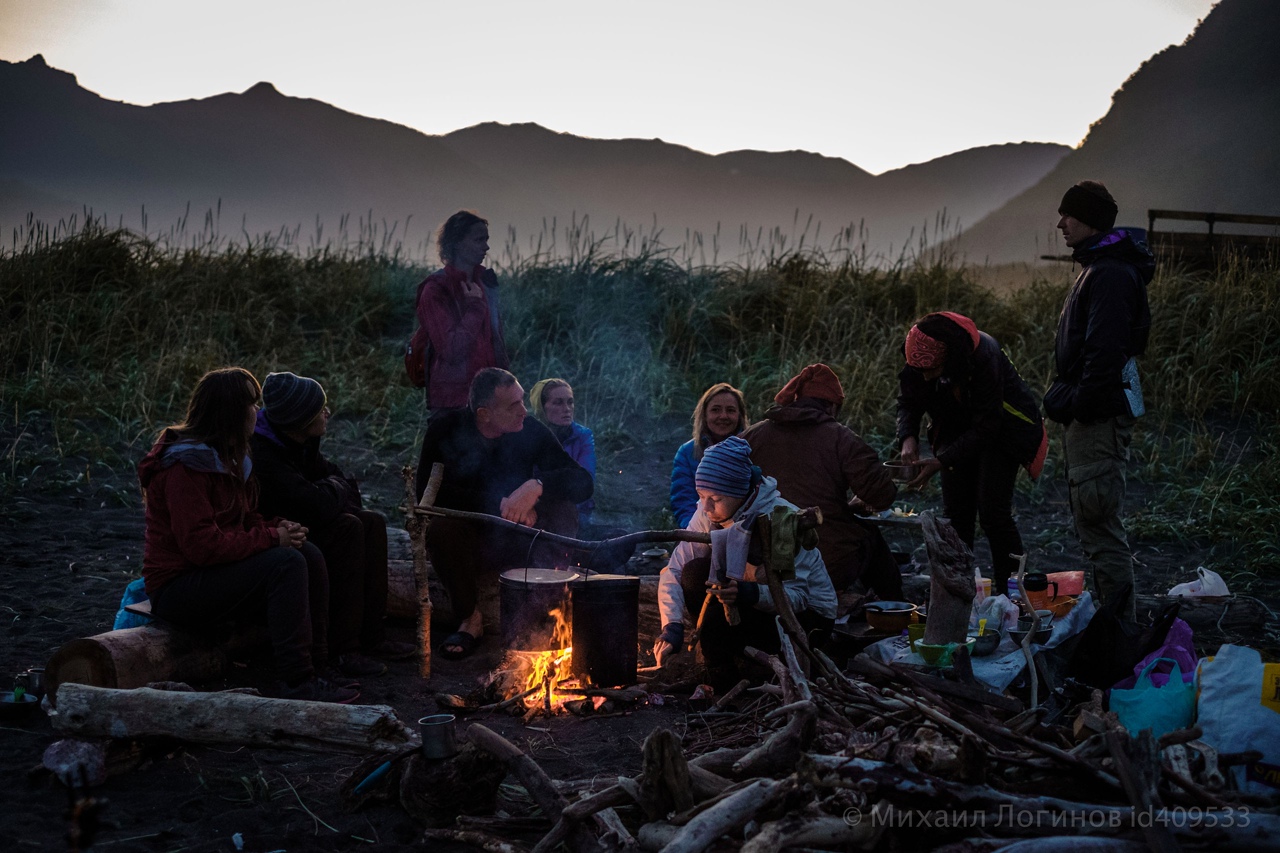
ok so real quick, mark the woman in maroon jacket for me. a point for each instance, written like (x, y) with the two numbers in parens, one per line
(984, 424)
(209, 556)
(458, 308)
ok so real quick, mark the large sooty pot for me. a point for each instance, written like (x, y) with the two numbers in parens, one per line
(526, 598)
(605, 629)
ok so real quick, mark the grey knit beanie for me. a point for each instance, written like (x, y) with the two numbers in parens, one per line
(291, 401)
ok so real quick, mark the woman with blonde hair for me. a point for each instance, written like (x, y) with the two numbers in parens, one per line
(720, 413)
(551, 401)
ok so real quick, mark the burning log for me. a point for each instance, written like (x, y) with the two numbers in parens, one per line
(233, 718)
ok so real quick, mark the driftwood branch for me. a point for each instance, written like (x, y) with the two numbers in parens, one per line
(824, 832)
(535, 781)
(474, 838)
(233, 718)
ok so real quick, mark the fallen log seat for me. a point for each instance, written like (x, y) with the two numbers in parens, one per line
(161, 651)
(229, 718)
(136, 657)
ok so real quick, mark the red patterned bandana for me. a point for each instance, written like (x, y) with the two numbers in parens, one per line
(924, 352)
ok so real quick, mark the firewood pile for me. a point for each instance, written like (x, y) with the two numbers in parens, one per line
(824, 759)
(882, 755)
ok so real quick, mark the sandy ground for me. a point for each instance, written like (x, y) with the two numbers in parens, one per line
(68, 552)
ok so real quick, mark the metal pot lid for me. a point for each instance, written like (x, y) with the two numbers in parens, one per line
(892, 606)
(539, 576)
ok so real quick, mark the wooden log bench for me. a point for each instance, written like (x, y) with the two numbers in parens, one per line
(157, 651)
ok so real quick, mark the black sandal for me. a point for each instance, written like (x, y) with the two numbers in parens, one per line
(466, 643)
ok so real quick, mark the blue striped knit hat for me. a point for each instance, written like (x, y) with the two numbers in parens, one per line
(726, 468)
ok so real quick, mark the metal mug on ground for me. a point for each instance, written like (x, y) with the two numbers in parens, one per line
(33, 681)
(437, 736)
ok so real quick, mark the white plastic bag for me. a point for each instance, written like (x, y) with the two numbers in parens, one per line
(1239, 709)
(999, 611)
(1209, 583)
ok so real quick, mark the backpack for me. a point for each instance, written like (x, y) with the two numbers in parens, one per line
(415, 358)
(417, 353)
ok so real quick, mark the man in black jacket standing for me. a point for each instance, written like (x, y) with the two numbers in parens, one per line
(1102, 329)
(500, 461)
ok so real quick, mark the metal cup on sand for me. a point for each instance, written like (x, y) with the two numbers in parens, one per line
(438, 736)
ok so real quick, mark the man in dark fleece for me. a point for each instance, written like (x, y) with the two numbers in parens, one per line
(500, 461)
(1103, 328)
(818, 461)
(297, 481)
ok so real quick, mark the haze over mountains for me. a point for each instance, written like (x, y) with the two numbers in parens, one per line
(278, 160)
(1194, 128)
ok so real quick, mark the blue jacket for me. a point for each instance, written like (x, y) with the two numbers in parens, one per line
(581, 447)
(684, 494)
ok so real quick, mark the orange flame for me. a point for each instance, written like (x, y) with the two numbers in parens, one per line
(548, 669)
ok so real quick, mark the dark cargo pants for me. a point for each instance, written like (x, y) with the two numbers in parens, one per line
(1096, 457)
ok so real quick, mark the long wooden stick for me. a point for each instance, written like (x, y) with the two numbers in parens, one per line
(808, 518)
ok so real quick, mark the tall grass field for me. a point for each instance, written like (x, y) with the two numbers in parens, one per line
(105, 332)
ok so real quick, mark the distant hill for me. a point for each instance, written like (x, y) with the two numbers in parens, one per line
(1194, 128)
(267, 160)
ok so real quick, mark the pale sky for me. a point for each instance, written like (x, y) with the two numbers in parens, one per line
(881, 83)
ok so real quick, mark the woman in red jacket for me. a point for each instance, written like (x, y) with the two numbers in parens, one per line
(209, 556)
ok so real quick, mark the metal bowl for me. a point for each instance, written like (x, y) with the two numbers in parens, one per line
(19, 710)
(985, 644)
(902, 472)
(891, 617)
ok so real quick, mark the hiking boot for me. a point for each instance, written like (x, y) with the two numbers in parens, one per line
(392, 650)
(357, 665)
(336, 678)
(318, 690)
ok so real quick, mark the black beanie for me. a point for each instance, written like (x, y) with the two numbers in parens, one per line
(291, 401)
(1090, 208)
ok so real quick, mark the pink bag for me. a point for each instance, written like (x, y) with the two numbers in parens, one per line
(1177, 646)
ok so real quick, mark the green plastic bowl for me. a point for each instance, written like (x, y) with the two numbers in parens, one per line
(932, 653)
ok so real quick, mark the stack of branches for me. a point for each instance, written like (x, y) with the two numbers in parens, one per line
(823, 759)
(836, 760)
(840, 760)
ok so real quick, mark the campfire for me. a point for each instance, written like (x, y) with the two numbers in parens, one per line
(539, 677)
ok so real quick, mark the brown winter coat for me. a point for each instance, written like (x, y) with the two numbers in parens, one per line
(817, 460)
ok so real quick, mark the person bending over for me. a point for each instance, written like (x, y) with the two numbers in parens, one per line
(210, 556)
(501, 461)
(819, 461)
(732, 495)
(984, 423)
(297, 481)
